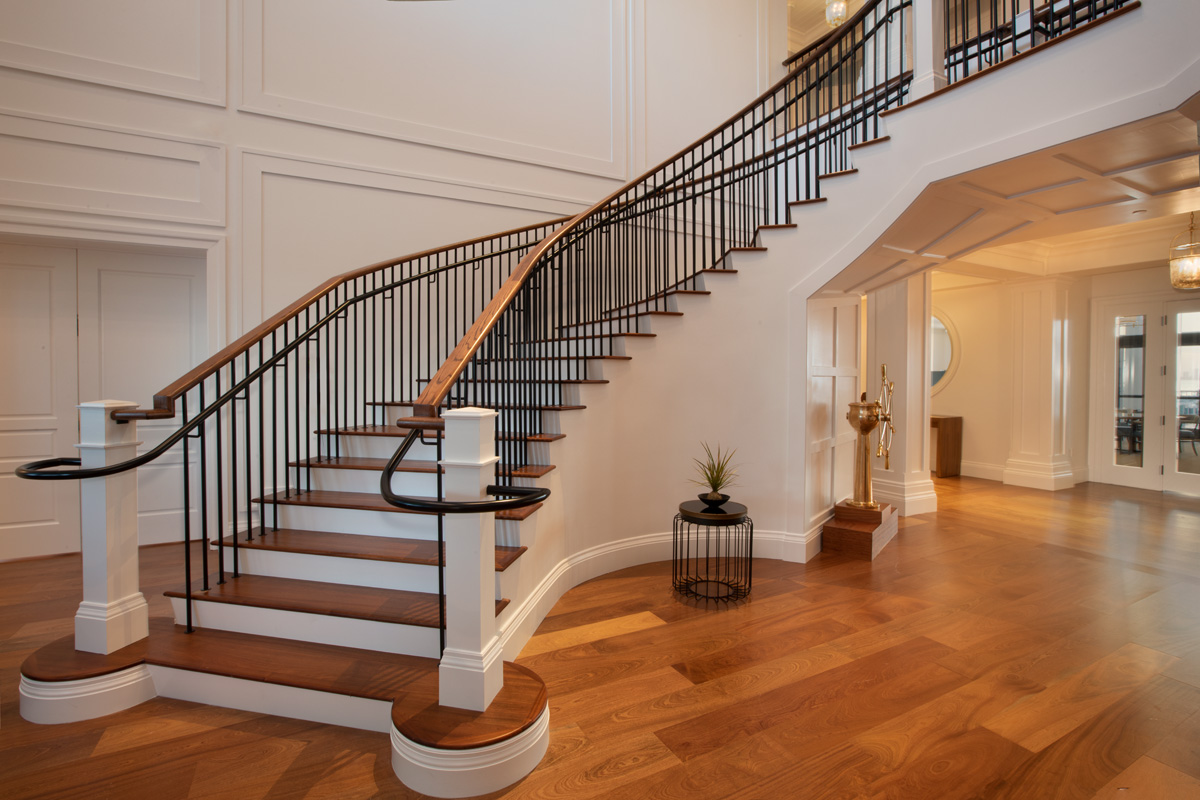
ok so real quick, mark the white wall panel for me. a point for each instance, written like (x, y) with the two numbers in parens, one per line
(169, 47)
(540, 81)
(67, 166)
(307, 221)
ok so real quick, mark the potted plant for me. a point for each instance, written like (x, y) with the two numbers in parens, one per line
(716, 473)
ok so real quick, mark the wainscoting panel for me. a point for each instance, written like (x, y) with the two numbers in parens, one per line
(174, 48)
(56, 164)
(304, 61)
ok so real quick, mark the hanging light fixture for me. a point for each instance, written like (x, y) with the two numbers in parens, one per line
(836, 12)
(1185, 258)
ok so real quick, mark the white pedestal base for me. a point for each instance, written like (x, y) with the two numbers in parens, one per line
(467, 773)
(51, 703)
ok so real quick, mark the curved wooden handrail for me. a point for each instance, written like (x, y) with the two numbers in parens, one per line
(164, 400)
(454, 365)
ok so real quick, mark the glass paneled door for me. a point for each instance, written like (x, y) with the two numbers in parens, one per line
(1145, 419)
(1181, 467)
(1126, 438)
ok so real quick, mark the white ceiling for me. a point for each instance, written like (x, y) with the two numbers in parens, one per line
(1106, 202)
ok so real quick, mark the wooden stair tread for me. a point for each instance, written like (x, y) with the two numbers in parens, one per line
(518, 705)
(362, 501)
(394, 606)
(838, 174)
(416, 467)
(869, 142)
(354, 545)
(747, 249)
(809, 201)
(321, 667)
(395, 431)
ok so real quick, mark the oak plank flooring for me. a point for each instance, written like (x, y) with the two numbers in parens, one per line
(1016, 644)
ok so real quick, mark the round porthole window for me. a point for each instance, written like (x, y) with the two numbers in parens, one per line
(942, 355)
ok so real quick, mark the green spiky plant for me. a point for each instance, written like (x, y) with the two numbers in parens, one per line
(716, 472)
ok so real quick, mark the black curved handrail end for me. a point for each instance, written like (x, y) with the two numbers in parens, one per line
(43, 470)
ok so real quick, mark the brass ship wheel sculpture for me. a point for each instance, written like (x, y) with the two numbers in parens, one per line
(863, 417)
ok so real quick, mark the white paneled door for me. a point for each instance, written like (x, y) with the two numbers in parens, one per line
(88, 325)
(38, 394)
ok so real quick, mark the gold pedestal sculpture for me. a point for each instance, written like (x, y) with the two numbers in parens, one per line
(863, 417)
(860, 526)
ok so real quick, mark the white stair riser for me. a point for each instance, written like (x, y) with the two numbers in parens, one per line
(420, 484)
(574, 348)
(623, 323)
(350, 571)
(385, 637)
(375, 447)
(270, 698)
(346, 520)
(332, 569)
(566, 368)
(669, 303)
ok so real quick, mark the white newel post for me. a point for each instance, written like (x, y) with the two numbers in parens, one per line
(472, 670)
(113, 613)
(929, 47)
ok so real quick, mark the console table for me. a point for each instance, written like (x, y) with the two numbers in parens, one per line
(712, 551)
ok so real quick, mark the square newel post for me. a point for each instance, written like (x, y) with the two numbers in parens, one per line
(929, 47)
(471, 670)
(113, 613)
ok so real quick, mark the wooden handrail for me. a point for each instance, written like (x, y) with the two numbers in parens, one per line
(164, 400)
(440, 384)
(454, 365)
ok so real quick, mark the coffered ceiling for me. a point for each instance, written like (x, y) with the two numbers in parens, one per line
(1110, 201)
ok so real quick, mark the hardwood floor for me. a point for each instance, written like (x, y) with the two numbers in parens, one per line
(1017, 644)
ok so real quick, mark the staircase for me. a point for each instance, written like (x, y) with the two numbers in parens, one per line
(315, 597)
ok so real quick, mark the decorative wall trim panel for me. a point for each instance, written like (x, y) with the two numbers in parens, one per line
(69, 166)
(204, 84)
(490, 140)
(256, 166)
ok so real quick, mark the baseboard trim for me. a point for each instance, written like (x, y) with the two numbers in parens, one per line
(1050, 477)
(601, 559)
(979, 469)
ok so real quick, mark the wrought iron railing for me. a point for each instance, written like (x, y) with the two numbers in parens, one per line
(983, 33)
(256, 418)
(590, 282)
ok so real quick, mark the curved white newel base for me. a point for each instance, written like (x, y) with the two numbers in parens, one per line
(54, 702)
(467, 773)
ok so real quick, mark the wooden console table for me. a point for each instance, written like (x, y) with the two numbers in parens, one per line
(948, 457)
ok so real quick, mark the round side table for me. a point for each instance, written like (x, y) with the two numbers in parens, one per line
(712, 551)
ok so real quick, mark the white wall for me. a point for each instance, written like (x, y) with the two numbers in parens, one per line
(294, 140)
(979, 389)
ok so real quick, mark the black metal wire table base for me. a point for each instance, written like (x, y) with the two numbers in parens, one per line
(712, 559)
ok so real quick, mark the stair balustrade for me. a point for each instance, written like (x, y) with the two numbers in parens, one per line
(259, 416)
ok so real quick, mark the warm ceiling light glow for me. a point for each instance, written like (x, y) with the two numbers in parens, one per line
(1185, 258)
(836, 12)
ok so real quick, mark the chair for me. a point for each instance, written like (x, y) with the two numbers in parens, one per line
(1189, 431)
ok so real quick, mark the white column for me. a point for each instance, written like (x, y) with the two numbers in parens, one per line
(898, 335)
(472, 670)
(929, 47)
(1039, 449)
(113, 613)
